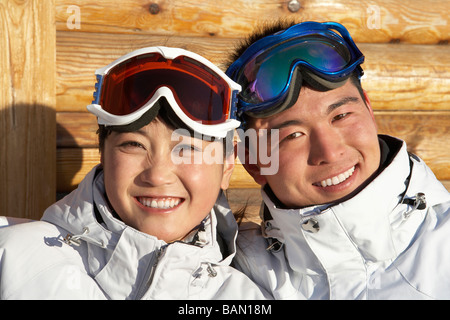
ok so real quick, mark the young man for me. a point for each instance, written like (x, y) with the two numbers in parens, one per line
(349, 214)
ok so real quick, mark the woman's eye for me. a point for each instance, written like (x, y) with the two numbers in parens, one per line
(132, 144)
(188, 148)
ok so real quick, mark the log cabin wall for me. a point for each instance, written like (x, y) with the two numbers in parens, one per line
(27, 107)
(407, 67)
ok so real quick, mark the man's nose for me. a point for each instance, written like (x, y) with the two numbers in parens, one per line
(326, 146)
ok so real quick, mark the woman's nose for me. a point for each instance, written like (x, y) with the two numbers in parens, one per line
(158, 170)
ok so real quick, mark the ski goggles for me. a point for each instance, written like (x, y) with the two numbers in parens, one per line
(324, 52)
(200, 94)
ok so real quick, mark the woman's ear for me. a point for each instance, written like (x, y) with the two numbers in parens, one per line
(228, 168)
(102, 158)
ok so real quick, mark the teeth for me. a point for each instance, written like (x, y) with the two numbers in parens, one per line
(164, 203)
(338, 179)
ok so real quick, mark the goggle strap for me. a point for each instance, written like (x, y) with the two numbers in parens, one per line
(143, 120)
(98, 86)
(321, 84)
(233, 107)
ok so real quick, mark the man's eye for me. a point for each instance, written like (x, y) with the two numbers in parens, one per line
(294, 135)
(341, 116)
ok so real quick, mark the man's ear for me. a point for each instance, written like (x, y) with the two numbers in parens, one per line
(255, 172)
(369, 105)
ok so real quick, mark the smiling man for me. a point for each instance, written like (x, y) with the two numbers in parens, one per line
(328, 147)
(349, 214)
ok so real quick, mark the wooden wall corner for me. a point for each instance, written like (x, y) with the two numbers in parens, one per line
(27, 107)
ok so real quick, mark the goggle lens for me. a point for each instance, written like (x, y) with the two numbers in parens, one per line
(202, 94)
(266, 76)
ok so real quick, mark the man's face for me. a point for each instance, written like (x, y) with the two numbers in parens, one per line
(152, 193)
(328, 147)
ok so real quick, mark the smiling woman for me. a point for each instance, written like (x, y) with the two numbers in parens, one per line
(150, 192)
(141, 226)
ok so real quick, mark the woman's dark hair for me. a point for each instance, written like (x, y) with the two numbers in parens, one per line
(168, 116)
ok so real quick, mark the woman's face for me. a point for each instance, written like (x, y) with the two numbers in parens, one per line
(154, 184)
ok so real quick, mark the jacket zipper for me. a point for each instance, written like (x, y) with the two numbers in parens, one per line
(146, 285)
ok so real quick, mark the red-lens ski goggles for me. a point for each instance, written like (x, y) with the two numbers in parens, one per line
(201, 95)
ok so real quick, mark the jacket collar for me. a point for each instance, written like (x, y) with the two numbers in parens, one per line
(118, 255)
(372, 219)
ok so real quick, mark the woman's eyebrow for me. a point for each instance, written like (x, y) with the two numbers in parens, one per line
(140, 132)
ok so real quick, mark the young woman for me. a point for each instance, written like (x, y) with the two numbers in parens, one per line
(151, 221)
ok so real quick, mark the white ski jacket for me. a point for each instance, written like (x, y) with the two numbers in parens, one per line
(390, 241)
(77, 252)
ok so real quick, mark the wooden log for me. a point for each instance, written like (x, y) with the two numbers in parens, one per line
(72, 165)
(426, 133)
(27, 107)
(76, 129)
(446, 184)
(407, 77)
(398, 76)
(248, 200)
(412, 21)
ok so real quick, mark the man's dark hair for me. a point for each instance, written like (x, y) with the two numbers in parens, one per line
(265, 29)
(268, 28)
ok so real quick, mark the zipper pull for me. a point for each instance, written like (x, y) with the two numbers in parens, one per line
(211, 272)
(145, 287)
(72, 239)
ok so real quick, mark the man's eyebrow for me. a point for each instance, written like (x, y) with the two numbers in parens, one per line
(341, 102)
(293, 122)
(330, 109)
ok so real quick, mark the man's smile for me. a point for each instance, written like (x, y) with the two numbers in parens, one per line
(336, 179)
